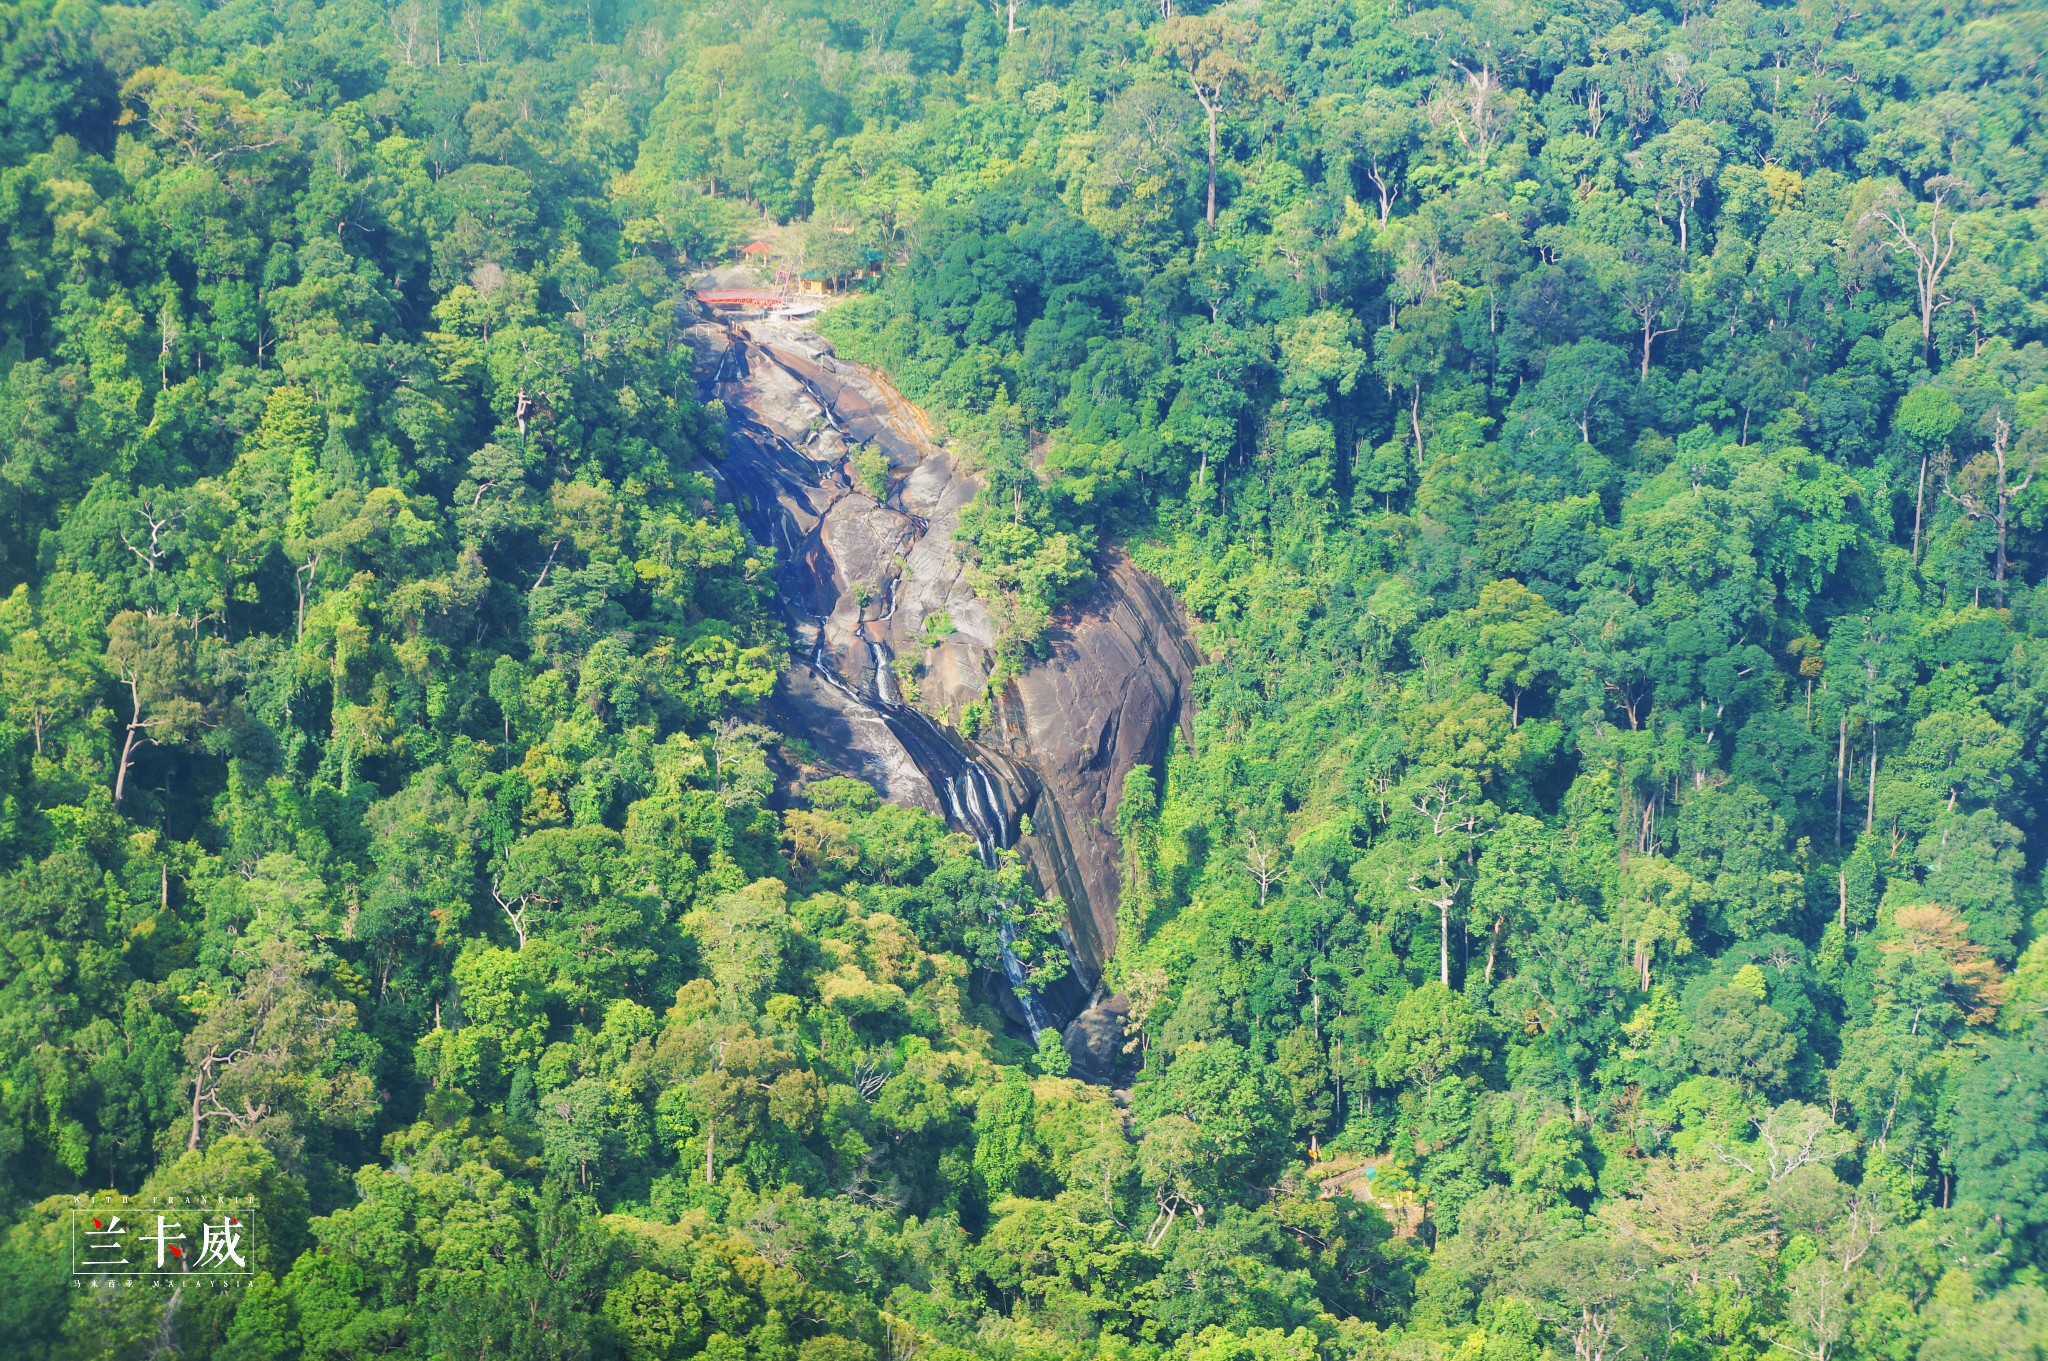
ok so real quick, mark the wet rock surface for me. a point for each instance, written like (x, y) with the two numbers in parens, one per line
(867, 579)
(1106, 700)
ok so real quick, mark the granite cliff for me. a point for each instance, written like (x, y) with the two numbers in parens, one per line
(867, 578)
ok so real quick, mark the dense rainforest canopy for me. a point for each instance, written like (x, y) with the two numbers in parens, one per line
(1597, 440)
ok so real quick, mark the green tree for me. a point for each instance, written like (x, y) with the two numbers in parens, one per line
(744, 935)
(151, 657)
(1211, 49)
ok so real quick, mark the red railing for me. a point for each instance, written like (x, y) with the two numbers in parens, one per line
(739, 297)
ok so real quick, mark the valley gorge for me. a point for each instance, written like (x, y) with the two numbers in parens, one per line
(866, 583)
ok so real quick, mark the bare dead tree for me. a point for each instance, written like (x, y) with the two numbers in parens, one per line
(1789, 1138)
(1477, 118)
(151, 554)
(1931, 249)
(1442, 804)
(303, 576)
(246, 1052)
(409, 25)
(1264, 863)
(869, 1077)
(517, 907)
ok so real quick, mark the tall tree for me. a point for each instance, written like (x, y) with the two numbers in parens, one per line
(1213, 51)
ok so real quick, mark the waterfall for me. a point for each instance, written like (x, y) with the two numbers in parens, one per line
(972, 806)
(763, 463)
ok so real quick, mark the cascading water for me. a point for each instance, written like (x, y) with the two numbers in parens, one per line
(966, 789)
(884, 660)
(991, 836)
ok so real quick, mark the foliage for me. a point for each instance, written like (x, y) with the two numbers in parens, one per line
(1598, 445)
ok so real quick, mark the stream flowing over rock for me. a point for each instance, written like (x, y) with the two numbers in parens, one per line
(864, 582)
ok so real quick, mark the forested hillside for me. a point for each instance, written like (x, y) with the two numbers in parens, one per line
(1598, 913)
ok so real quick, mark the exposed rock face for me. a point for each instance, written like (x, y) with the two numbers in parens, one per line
(1072, 726)
(867, 580)
(1095, 1044)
